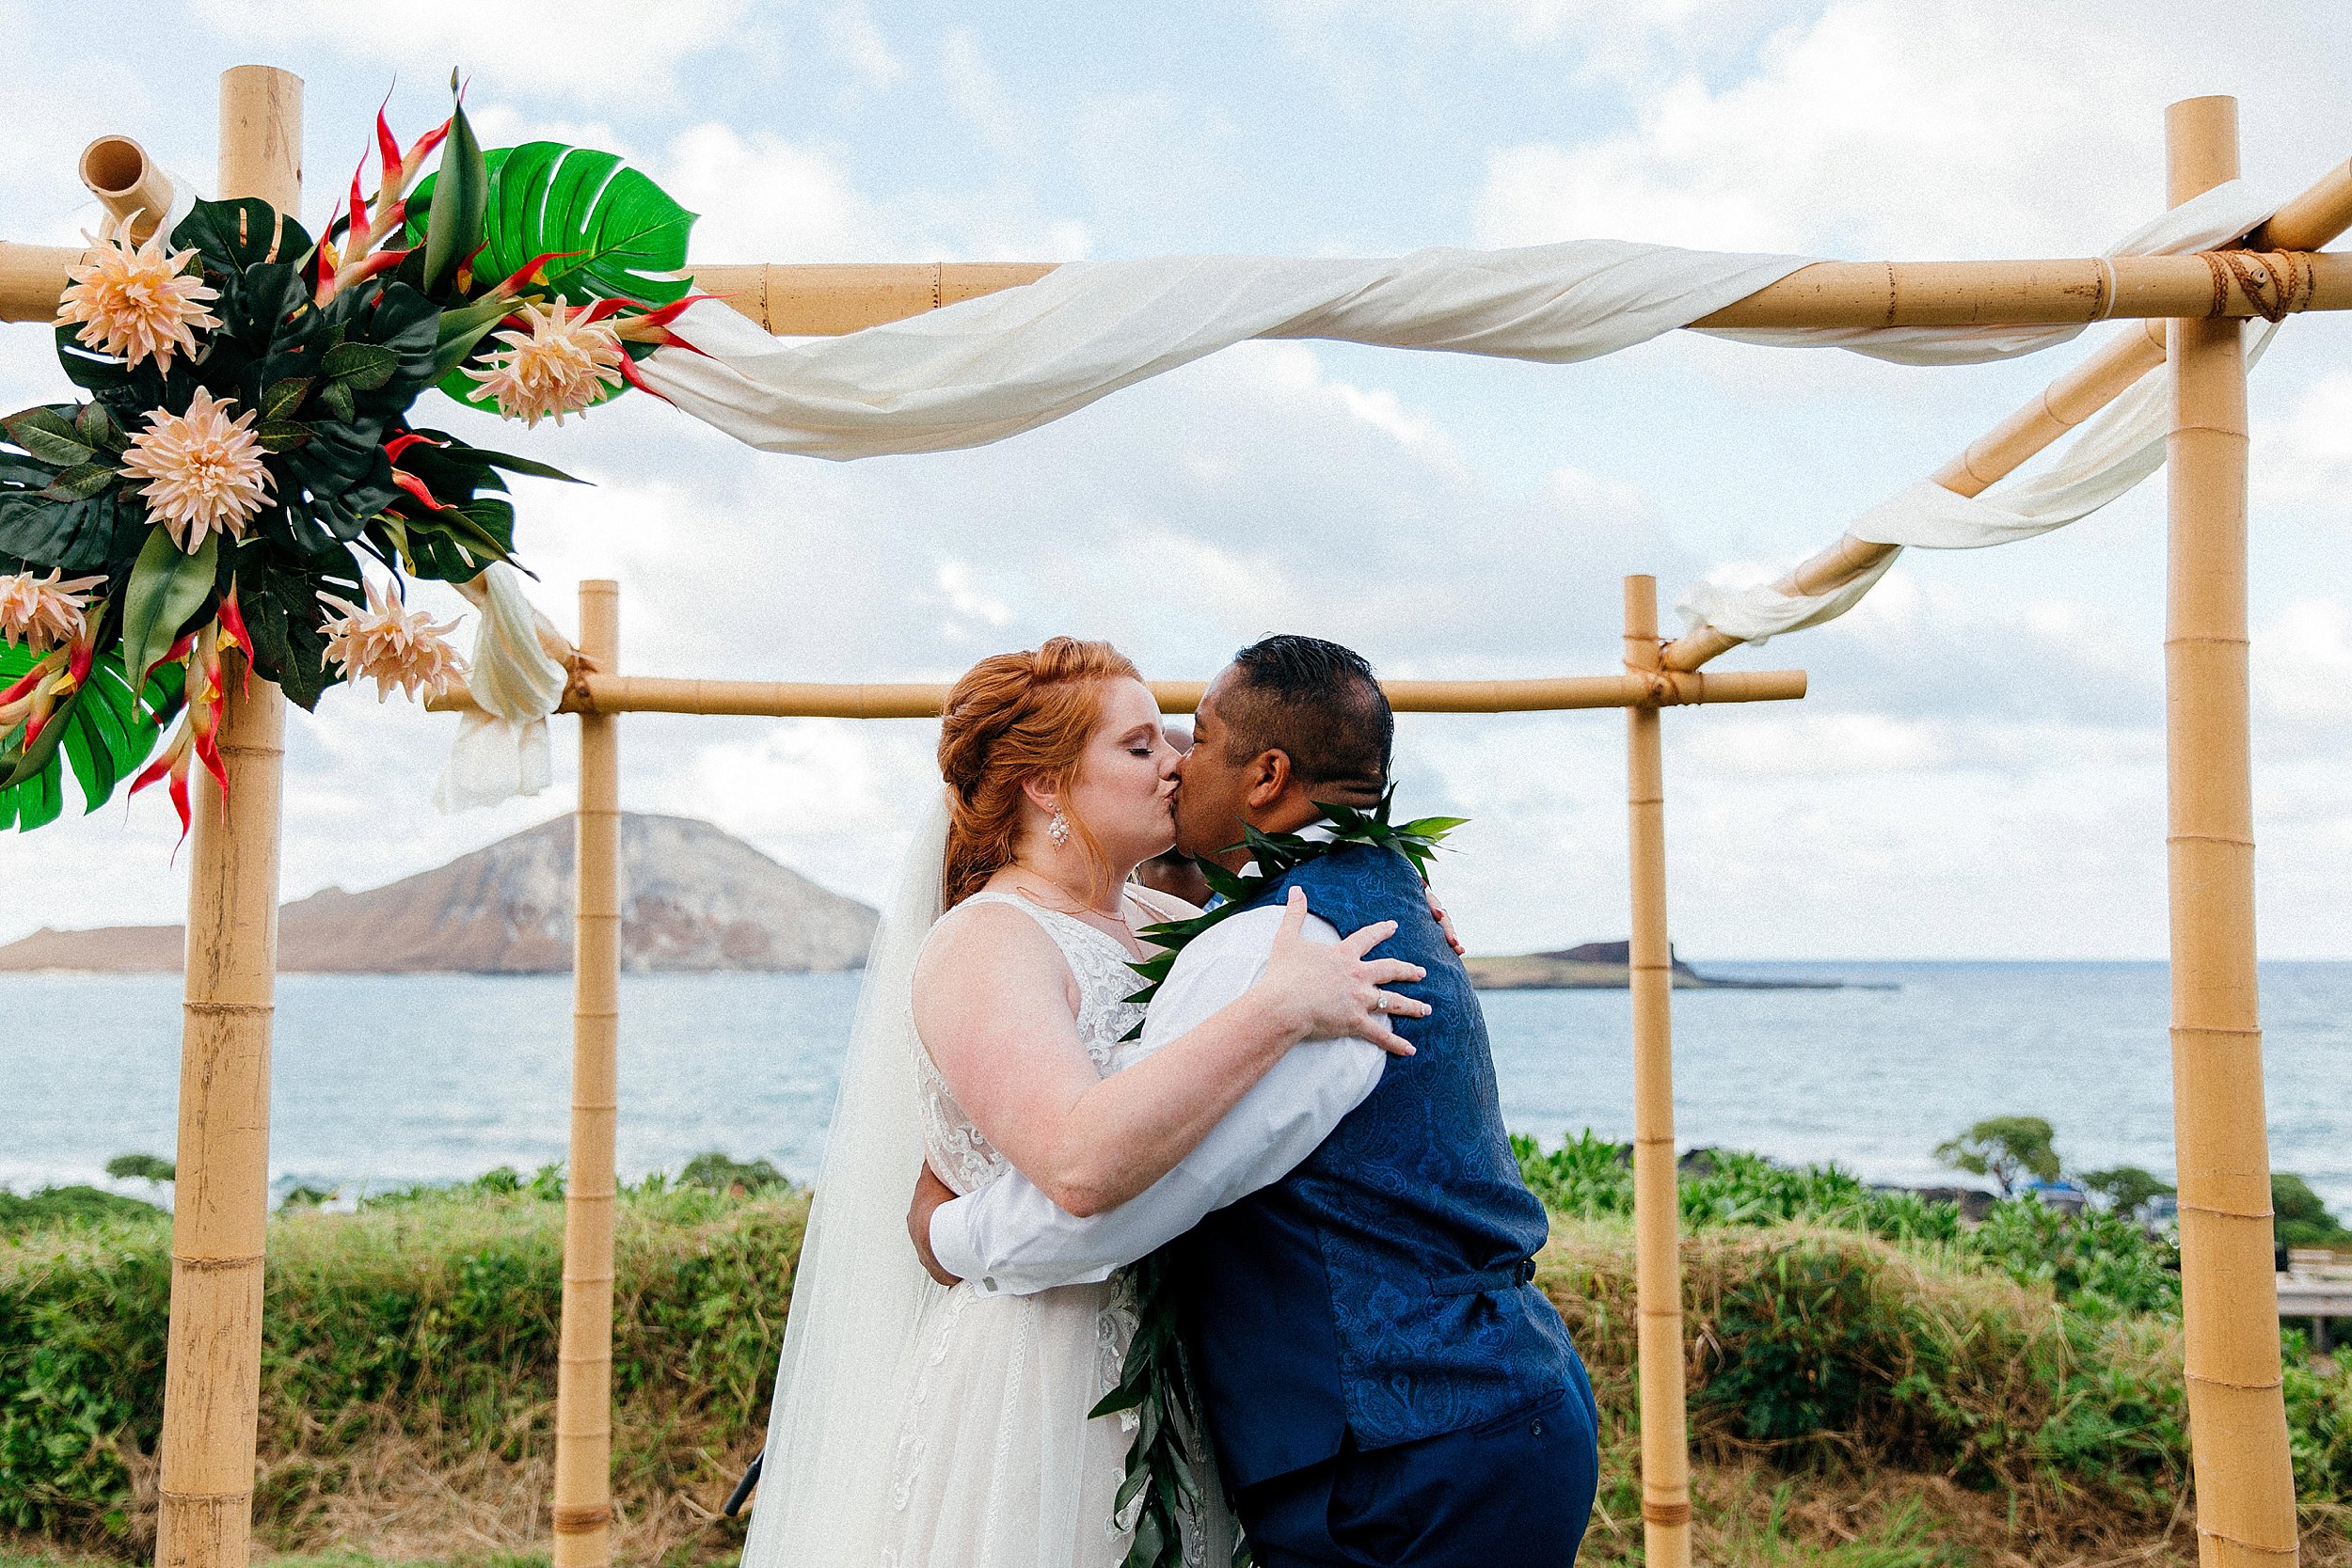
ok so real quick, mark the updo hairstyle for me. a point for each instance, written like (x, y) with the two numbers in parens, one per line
(1011, 718)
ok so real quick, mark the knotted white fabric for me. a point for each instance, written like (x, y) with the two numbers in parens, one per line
(988, 368)
(502, 751)
(2116, 449)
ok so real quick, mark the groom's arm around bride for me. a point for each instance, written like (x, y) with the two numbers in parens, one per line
(1382, 1380)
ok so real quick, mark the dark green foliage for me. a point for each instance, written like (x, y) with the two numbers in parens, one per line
(67, 1206)
(2299, 1218)
(1799, 1344)
(2007, 1149)
(2126, 1187)
(433, 1316)
(147, 1167)
(722, 1173)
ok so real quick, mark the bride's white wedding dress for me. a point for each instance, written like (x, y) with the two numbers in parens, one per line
(918, 1427)
(997, 1461)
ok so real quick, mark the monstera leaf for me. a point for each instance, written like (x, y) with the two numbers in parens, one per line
(620, 235)
(101, 732)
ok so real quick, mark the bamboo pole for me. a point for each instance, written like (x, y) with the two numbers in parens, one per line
(220, 1213)
(2229, 1297)
(2316, 217)
(1657, 1255)
(583, 1387)
(128, 184)
(918, 700)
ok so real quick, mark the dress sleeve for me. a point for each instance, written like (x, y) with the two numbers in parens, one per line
(1009, 1237)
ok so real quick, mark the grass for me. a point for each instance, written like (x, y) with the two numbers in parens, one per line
(1872, 1387)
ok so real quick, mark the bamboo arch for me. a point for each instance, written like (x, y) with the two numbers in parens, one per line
(582, 1511)
(2244, 1481)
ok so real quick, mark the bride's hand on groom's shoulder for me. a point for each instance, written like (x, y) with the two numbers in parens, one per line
(1331, 988)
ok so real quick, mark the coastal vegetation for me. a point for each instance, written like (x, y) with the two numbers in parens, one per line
(1873, 1382)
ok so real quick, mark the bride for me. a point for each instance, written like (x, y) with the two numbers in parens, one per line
(924, 1427)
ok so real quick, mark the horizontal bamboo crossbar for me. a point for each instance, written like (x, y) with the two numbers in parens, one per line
(827, 300)
(608, 694)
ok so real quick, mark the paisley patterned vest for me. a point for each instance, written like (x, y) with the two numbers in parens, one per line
(1382, 1290)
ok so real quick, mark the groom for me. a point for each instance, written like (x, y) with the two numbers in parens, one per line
(1383, 1382)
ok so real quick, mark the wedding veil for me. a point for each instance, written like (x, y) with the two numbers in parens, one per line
(858, 1294)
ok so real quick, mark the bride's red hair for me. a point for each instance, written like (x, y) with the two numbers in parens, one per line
(1011, 718)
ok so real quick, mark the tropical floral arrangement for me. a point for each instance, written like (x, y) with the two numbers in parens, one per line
(246, 471)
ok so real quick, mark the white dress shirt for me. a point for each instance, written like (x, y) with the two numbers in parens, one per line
(1009, 1237)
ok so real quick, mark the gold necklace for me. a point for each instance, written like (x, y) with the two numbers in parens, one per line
(1079, 909)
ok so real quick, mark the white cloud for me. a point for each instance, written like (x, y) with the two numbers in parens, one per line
(1997, 128)
(765, 198)
(2307, 456)
(851, 30)
(584, 50)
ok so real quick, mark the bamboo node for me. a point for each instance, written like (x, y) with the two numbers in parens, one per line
(169, 1495)
(2226, 1383)
(1665, 1512)
(572, 1519)
(2284, 1554)
(228, 1009)
(2228, 1213)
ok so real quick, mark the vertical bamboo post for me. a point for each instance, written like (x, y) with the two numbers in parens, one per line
(1657, 1257)
(2229, 1297)
(213, 1354)
(583, 1387)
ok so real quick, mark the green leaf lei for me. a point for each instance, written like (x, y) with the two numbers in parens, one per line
(1171, 1443)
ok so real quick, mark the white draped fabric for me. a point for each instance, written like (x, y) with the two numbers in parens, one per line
(992, 366)
(2117, 448)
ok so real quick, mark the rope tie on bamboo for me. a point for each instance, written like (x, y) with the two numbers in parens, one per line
(573, 1519)
(2275, 283)
(1666, 1514)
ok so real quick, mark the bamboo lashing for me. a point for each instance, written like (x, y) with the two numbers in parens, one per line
(128, 184)
(220, 1209)
(611, 693)
(2316, 217)
(582, 1511)
(1657, 1255)
(2228, 1295)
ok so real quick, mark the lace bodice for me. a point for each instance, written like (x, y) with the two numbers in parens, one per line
(958, 1151)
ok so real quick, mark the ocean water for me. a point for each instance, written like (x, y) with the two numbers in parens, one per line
(385, 1080)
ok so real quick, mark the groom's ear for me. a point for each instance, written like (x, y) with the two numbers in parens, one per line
(1268, 778)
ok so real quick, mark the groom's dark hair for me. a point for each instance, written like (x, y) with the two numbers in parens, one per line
(1318, 704)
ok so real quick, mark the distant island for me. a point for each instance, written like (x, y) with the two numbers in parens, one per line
(694, 899)
(1605, 966)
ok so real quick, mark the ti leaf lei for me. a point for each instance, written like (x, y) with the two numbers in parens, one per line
(1171, 1444)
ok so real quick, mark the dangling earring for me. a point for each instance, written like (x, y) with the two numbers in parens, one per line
(1058, 829)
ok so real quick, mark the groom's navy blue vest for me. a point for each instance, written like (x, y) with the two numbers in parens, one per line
(1382, 1290)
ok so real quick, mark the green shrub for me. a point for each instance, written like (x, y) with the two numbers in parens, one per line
(74, 1205)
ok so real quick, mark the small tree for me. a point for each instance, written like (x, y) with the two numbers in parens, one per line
(2299, 1218)
(2126, 1187)
(2005, 1149)
(148, 1168)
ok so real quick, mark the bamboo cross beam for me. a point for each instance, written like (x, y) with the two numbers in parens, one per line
(2312, 219)
(826, 300)
(611, 694)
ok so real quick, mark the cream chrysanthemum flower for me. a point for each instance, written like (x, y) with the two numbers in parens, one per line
(43, 612)
(204, 470)
(392, 646)
(560, 366)
(135, 301)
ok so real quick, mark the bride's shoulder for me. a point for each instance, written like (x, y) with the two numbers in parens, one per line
(982, 928)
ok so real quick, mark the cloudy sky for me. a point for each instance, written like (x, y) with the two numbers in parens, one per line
(1978, 771)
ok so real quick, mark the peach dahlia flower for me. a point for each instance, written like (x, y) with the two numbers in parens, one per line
(135, 301)
(43, 612)
(392, 645)
(558, 366)
(204, 470)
